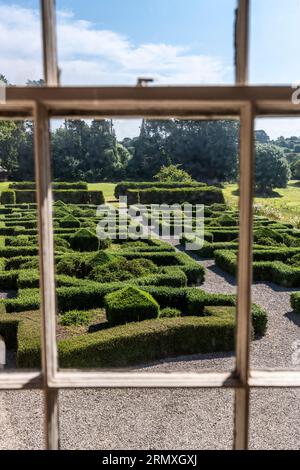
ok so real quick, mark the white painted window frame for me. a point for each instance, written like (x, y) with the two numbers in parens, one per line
(240, 101)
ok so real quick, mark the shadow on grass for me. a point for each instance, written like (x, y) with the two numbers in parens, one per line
(268, 195)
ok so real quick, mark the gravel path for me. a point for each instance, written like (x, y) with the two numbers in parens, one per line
(181, 419)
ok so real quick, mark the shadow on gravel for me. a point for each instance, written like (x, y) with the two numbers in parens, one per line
(189, 358)
(276, 287)
(294, 317)
(227, 277)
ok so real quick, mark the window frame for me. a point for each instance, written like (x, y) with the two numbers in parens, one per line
(201, 102)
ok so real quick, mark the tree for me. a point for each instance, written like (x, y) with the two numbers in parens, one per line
(16, 149)
(296, 169)
(207, 150)
(172, 173)
(271, 170)
(262, 137)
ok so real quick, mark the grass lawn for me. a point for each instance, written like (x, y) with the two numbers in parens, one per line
(284, 206)
(107, 188)
(4, 186)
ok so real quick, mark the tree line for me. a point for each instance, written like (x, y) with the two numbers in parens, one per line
(90, 151)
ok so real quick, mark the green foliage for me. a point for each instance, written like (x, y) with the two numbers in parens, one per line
(207, 150)
(74, 265)
(267, 236)
(295, 301)
(272, 169)
(84, 240)
(172, 173)
(204, 195)
(89, 152)
(69, 222)
(295, 169)
(8, 197)
(130, 304)
(122, 188)
(225, 220)
(75, 317)
(169, 313)
(122, 269)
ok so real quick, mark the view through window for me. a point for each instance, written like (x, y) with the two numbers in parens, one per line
(149, 233)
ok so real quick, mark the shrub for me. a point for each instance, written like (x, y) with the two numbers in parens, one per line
(295, 301)
(197, 299)
(122, 188)
(226, 221)
(75, 317)
(121, 269)
(169, 313)
(259, 320)
(84, 240)
(263, 234)
(71, 196)
(272, 169)
(172, 277)
(295, 260)
(173, 174)
(25, 196)
(69, 222)
(203, 195)
(130, 304)
(8, 197)
(74, 265)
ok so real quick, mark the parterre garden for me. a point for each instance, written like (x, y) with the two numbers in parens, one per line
(122, 302)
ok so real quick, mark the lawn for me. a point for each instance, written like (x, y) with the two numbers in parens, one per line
(284, 206)
(107, 188)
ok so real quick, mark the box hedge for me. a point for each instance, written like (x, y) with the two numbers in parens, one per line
(8, 197)
(130, 304)
(122, 188)
(68, 196)
(206, 195)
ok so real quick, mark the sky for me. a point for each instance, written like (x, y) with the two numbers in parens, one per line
(102, 42)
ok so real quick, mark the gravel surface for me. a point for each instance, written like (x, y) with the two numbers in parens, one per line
(181, 419)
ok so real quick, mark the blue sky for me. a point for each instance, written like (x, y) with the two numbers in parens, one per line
(173, 41)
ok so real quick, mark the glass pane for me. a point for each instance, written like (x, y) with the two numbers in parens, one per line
(22, 420)
(21, 44)
(276, 268)
(274, 419)
(274, 39)
(146, 419)
(171, 41)
(19, 266)
(137, 221)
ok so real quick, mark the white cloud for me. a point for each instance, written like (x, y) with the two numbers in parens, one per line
(89, 55)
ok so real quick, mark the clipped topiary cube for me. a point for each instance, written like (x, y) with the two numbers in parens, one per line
(69, 221)
(8, 197)
(130, 305)
(84, 240)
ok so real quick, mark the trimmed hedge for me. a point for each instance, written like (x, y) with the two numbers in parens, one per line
(206, 195)
(130, 304)
(8, 197)
(128, 344)
(68, 196)
(122, 188)
(84, 240)
(69, 222)
(56, 185)
(273, 271)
